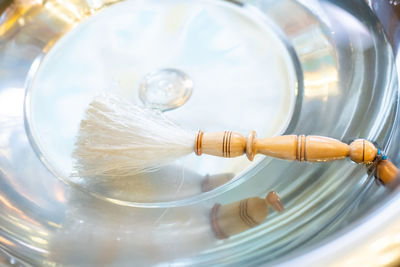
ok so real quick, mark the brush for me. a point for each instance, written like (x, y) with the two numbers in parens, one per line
(117, 138)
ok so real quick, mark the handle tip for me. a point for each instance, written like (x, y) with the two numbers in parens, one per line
(362, 151)
(387, 172)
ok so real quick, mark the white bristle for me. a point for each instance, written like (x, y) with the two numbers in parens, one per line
(117, 138)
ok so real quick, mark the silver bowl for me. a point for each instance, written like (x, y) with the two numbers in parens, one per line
(281, 67)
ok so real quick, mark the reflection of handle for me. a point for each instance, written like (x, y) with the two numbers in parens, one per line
(234, 218)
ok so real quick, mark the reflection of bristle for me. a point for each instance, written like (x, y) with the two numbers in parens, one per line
(117, 138)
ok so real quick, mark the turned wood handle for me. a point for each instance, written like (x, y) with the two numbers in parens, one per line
(302, 148)
(290, 147)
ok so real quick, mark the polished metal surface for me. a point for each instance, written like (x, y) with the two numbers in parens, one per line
(335, 214)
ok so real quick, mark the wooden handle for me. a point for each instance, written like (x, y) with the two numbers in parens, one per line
(302, 148)
(292, 147)
(289, 147)
(222, 144)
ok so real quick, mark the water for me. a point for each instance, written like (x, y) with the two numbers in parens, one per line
(242, 68)
(323, 68)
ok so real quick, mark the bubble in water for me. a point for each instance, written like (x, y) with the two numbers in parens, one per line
(165, 89)
(12, 261)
